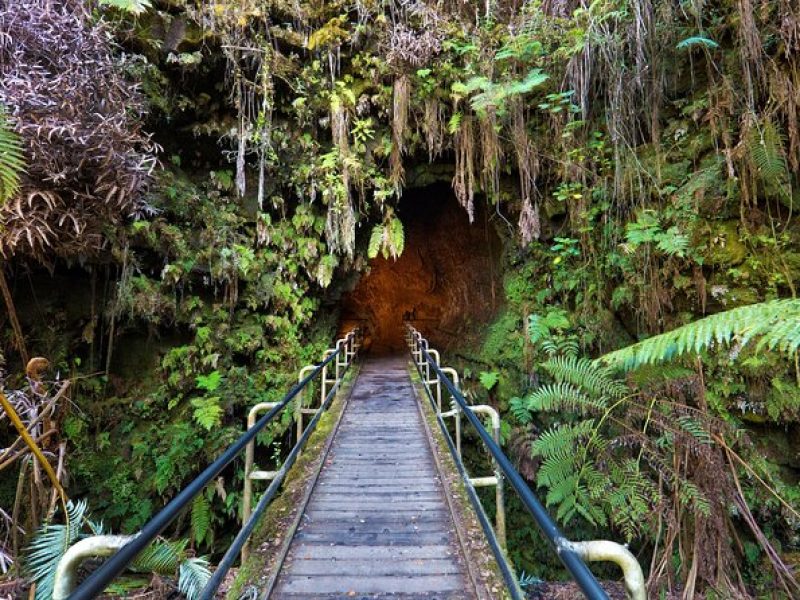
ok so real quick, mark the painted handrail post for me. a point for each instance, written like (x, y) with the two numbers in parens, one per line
(324, 379)
(457, 410)
(96, 546)
(604, 550)
(249, 460)
(341, 343)
(299, 409)
(497, 480)
(436, 380)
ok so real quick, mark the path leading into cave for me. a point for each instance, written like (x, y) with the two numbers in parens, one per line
(377, 522)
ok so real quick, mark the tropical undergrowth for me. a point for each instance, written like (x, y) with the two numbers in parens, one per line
(639, 158)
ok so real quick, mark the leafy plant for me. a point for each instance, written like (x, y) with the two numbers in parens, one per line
(134, 7)
(775, 324)
(695, 41)
(388, 239)
(165, 558)
(647, 229)
(766, 150)
(207, 411)
(48, 546)
(12, 160)
(495, 95)
(489, 379)
(551, 332)
(201, 518)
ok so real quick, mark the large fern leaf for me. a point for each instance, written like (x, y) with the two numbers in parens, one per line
(193, 577)
(561, 397)
(12, 160)
(201, 518)
(160, 557)
(396, 238)
(767, 152)
(586, 374)
(49, 545)
(775, 323)
(375, 241)
(561, 438)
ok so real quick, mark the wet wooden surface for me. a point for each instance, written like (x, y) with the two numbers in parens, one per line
(377, 523)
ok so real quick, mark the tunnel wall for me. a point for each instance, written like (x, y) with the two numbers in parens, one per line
(446, 282)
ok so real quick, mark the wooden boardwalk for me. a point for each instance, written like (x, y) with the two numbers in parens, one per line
(377, 523)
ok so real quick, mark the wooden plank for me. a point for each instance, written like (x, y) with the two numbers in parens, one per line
(383, 553)
(372, 584)
(366, 566)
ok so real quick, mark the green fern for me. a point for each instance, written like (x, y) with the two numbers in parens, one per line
(496, 94)
(396, 239)
(163, 558)
(561, 397)
(52, 540)
(776, 324)
(766, 146)
(49, 545)
(207, 411)
(595, 379)
(541, 327)
(201, 518)
(169, 558)
(695, 428)
(387, 239)
(519, 408)
(134, 7)
(193, 576)
(375, 241)
(554, 442)
(691, 42)
(12, 161)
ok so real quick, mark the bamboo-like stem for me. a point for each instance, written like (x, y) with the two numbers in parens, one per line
(12, 315)
(16, 509)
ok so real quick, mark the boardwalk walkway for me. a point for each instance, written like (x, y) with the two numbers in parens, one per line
(377, 523)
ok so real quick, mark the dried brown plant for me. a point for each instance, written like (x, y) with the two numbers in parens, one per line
(89, 163)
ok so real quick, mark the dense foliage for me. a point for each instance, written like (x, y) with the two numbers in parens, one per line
(639, 157)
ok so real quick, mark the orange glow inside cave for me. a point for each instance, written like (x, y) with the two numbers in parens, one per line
(446, 282)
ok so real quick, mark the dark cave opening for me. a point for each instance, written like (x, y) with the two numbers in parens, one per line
(447, 280)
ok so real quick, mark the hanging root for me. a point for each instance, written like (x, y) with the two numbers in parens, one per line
(464, 179)
(401, 96)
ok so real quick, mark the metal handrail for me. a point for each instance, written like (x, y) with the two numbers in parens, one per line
(565, 551)
(99, 580)
(240, 541)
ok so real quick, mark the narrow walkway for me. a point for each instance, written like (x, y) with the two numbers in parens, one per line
(377, 523)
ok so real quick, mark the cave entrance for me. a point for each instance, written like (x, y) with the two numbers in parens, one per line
(446, 282)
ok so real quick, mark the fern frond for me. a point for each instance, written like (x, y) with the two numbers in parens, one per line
(776, 323)
(691, 42)
(49, 545)
(519, 408)
(695, 428)
(12, 160)
(562, 397)
(160, 557)
(375, 241)
(587, 375)
(396, 238)
(766, 146)
(556, 468)
(201, 518)
(193, 577)
(562, 438)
